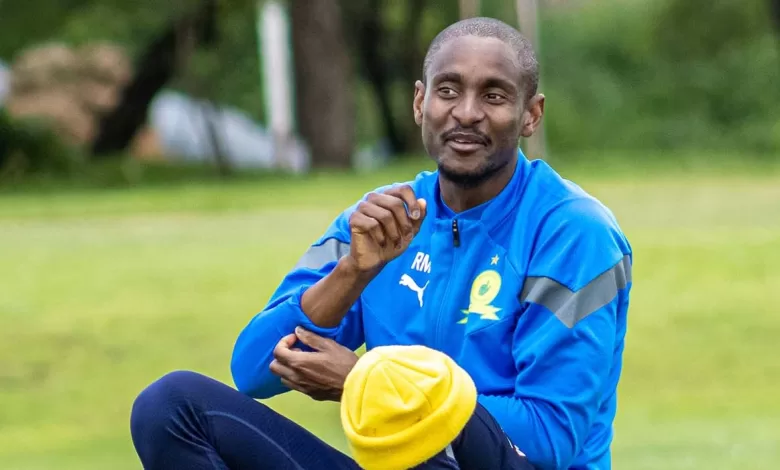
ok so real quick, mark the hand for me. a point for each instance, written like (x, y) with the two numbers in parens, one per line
(319, 374)
(382, 228)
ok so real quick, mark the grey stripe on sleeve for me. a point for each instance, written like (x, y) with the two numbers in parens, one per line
(571, 307)
(318, 256)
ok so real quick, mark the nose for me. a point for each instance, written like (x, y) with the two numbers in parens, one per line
(468, 110)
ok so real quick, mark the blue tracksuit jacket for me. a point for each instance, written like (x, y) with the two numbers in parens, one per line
(527, 292)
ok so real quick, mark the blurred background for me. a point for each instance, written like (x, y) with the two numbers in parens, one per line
(163, 164)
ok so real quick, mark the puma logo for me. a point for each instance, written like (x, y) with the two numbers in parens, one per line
(409, 282)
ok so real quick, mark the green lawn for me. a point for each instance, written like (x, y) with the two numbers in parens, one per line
(102, 291)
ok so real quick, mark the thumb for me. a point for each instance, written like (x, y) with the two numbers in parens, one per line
(311, 339)
(423, 212)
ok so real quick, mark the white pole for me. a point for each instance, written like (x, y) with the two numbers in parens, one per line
(527, 19)
(468, 8)
(528, 22)
(274, 33)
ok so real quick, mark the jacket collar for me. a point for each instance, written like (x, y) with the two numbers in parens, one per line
(493, 211)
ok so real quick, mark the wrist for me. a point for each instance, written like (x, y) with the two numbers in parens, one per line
(349, 269)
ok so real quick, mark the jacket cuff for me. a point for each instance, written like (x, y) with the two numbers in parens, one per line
(303, 320)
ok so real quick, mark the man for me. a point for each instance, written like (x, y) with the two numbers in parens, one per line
(515, 273)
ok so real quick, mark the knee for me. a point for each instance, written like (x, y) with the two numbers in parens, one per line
(158, 403)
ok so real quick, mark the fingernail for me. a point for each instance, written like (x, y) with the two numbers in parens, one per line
(298, 330)
(416, 214)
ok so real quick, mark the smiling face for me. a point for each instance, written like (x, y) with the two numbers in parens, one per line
(473, 108)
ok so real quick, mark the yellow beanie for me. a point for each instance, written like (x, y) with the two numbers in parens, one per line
(403, 405)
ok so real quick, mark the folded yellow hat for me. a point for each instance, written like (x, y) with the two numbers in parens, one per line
(403, 405)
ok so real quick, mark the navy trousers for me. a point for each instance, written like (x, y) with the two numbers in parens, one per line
(191, 422)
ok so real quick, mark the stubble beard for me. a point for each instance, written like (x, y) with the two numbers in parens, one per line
(472, 179)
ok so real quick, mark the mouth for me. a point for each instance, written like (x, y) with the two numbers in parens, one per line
(465, 143)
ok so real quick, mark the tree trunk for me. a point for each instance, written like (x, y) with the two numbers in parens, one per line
(158, 65)
(325, 103)
(527, 18)
(775, 7)
(468, 8)
(411, 62)
(211, 116)
(369, 35)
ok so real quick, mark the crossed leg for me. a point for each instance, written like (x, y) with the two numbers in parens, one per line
(189, 421)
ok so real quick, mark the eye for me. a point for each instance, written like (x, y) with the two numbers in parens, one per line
(495, 98)
(446, 92)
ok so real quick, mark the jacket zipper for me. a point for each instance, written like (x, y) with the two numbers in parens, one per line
(445, 304)
(455, 233)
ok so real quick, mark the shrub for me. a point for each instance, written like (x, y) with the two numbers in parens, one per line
(676, 74)
(30, 146)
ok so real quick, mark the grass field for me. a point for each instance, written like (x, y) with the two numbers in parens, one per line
(102, 291)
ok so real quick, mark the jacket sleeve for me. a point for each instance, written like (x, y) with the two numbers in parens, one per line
(568, 339)
(253, 350)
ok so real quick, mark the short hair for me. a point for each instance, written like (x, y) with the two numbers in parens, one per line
(491, 28)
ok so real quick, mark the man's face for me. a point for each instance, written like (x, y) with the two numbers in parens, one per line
(472, 110)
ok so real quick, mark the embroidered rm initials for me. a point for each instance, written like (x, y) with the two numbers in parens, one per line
(422, 263)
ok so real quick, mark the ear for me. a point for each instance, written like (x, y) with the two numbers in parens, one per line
(417, 103)
(532, 116)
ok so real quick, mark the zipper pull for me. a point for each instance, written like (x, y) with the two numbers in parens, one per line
(455, 233)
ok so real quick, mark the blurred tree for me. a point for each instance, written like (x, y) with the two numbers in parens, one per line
(162, 59)
(699, 29)
(32, 21)
(30, 145)
(325, 99)
(389, 39)
(382, 67)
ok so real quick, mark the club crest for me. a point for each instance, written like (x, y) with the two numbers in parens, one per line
(484, 291)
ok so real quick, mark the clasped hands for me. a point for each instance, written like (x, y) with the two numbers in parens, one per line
(320, 373)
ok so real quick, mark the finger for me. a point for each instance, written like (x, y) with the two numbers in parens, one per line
(289, 377)
(423, 212)
(321, 395)
(290, 340)
(397, 207)
(417, 224)
(384, 216)
(282, 370)
(363, 224)
(305, 388)
(285, 372)
(313, 340)
(282, 351)
(294, 380)
(293, 385)
(290, 384)
(406, 193)
(286, 342)
(418, 207)
(300, 375)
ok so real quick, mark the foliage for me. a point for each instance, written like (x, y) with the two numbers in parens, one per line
(30, 146)
(131, 24)
(622, 74)
(672, 74)
(228, 72)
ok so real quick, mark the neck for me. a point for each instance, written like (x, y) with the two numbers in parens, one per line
(460, 198)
